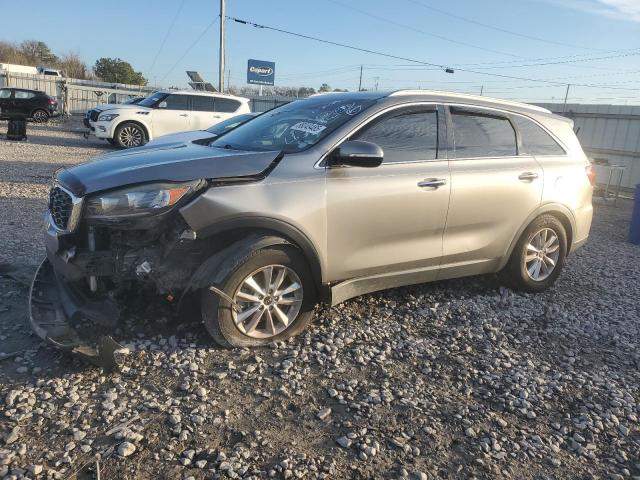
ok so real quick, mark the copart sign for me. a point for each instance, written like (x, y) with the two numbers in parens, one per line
(260, 72)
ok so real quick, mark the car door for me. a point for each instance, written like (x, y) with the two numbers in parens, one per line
(171, 115)
(23, 102)
(6, 101)
(390, 219)
(494, 188)
(203, 113)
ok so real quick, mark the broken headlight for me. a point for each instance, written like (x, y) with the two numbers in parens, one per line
(140, 200)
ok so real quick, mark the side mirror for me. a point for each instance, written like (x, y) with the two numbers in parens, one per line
(357, 153)
(162, 104)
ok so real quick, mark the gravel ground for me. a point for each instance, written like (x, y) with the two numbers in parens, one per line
(456, 379)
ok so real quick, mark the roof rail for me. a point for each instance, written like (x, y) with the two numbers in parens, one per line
(528, 106)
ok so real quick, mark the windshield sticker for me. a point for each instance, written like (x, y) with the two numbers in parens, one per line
(308, 127)
(351, 108)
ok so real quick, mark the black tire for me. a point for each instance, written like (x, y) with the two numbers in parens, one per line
(217, 313)
(130, 135)
(516, 275)
(40, 116)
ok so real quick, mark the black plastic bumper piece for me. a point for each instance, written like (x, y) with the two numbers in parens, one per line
(49, 321)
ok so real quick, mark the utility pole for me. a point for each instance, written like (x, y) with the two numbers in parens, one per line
(228, 79)
(376, 84)
(566, 95)
(221, 64)
(481, 89)
(360, 84)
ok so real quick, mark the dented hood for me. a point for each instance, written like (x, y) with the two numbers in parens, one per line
(176, 162)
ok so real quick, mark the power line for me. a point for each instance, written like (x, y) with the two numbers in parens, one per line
(592, 59)
(190, 47)
(330, 42)
(423, 32)
(406, 59)
(498, 29)
(166, 35)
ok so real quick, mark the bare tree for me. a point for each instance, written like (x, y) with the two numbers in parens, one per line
(73, 66)
(10, 53)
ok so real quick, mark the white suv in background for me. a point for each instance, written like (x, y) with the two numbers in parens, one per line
(163, 112)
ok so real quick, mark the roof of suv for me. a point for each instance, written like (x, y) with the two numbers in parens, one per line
(203, 93)
(444, 97)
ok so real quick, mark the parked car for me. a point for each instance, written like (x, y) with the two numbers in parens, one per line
(163, 112)
(32, 104)
(52, 72)
(210, 133)
(319, 200)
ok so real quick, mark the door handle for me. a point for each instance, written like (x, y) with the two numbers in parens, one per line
(184, 114)
(432, 183)
(527, 176)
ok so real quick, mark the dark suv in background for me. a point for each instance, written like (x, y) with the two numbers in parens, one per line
(32, 104)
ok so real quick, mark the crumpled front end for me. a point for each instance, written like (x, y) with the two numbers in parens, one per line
(96, 268)
(50, 321)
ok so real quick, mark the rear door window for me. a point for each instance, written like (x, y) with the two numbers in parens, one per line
(24, 95)
(405, 137)
(200, 103)
(479, 135)
(177, 102)
(535, 140)
(226, 105)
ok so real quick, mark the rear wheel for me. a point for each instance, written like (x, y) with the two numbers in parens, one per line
(539, 256)
(274, 293)
(40, 116)
(129, 135)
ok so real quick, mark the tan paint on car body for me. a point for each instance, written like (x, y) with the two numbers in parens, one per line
(375, 228)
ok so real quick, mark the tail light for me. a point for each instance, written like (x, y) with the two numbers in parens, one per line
(591, 174)
(52, 102)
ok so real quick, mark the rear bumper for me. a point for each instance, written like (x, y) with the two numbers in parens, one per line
(53, 305)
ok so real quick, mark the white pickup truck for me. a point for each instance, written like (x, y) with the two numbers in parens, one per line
(163, 112)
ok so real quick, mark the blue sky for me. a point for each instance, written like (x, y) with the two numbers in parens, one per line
(465, 34)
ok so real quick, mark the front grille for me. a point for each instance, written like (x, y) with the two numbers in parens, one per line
(93, 115)
(60, 207)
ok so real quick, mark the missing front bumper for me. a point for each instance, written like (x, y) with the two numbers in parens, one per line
(51, 323)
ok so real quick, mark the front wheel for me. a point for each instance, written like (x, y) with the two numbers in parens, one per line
(538, 257)
(129, 135)
(274, 293)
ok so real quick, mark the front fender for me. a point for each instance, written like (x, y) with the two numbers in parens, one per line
(217, 267)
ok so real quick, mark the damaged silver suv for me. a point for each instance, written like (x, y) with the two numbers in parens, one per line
(319, 200)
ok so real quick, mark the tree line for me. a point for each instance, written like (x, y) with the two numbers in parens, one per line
(37, 53)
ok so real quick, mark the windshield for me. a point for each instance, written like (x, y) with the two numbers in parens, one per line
(295, 126)
(230, 123)
(152, 99)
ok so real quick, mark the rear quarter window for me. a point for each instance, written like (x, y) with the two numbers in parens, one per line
(535, 140)
(5, 93)
(226, 105)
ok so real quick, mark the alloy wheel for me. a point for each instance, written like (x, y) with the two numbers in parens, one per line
(130, 136)
(40, 116)
(543, 252)
(269, 300)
